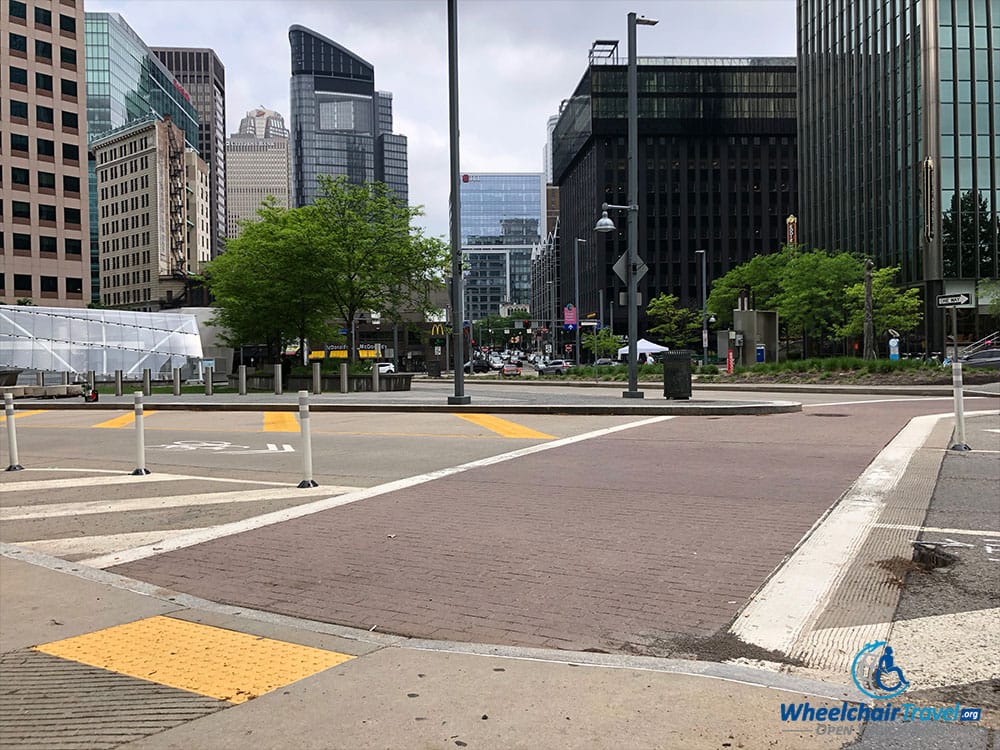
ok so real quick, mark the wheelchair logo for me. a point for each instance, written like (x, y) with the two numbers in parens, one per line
(875, 672)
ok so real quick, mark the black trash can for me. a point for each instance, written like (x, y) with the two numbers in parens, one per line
(677, 374)
(434, 368)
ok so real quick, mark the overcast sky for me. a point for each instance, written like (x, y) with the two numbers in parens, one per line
(518, 59)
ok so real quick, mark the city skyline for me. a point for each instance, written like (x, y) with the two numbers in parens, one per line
(518, 61)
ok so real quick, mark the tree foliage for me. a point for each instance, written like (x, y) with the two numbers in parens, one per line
(892, 307)
(675, 326)
(760, 277)
(602, 343)
(812, 291)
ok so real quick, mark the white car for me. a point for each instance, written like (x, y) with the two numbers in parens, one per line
(385, 368)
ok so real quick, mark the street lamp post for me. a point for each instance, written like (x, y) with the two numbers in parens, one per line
(606, 225)
(704, 310)
(576, 294)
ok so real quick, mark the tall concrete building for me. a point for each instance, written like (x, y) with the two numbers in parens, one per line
(717, 172)
(899, 109)
(154, 206)
(340, 125)
(203, 77)
(257, 167)
(44, 248)
(125, 83)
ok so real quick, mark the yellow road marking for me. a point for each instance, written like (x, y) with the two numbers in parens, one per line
(125, 420)
(221, 664)
(280, 421)
(503, 427)
(20, 414)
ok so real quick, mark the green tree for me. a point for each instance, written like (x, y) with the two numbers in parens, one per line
(602, 343)
(989, 291)
(893, 307)
(675, 326)
(760, 277)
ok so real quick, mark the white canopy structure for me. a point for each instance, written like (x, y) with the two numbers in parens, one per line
(62, 339)
(643, 346)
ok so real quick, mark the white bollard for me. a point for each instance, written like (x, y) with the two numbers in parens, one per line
(277, 380)
(140, 438)
(956, 382)
(8, 410)
(307, 454)
(147, 382)
(119, 380)
(243, 380)
(177, 381)
(344, 383)
(317, 378)
(209, 374)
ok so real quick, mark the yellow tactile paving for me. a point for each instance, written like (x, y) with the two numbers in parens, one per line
(21, 414)
(503, 427)
(221, 664)
(280, 421)
(125, 420)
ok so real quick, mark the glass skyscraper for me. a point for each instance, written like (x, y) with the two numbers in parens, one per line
(340, 125)
(899, 109)
(502, 219)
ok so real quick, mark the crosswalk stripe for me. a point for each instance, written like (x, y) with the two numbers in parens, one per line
(280, 421)
(56, 484)
(22, 414)
(22, 512)
(124, 420)
(101, 545)
(504, 428)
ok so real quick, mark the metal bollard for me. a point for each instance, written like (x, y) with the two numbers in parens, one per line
(277, 380)
(343, 377)
(8, 410)
(956, 381)
(208, 380)
(140, 438)
(65, 378)
(118, 383)
(40, 378)
(317, 379)
(177, 381)
(147, 378)
(243, 380)
(374, 377)
(307, 455)
(92, 379)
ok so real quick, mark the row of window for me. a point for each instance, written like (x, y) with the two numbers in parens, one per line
(130, 167)
(113, 263)
(124, 187)
(44, 115)
(43, 16)
(126, 279)
(43, 81)
(43, 49)
(19, 144)
(47, 285)
(45, 180)
(115, 152)
(129, 296)
(122, 206)
(48, 245)
(130, 222)
(22, 210)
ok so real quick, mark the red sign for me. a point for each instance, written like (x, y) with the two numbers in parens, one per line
(569, 347)
(569, 314)
(180, 88)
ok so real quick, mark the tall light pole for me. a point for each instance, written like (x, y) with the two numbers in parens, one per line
(606, 225)
(704, 310)
(576, 294)
(458, 281)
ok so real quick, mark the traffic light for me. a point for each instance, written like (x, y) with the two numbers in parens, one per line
(527, 324)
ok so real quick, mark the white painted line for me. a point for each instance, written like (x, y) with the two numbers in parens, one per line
(933, 529)
(57, 484)
(125, 477)
(22, 512)
(99, 545)
(884, 401)
(237, 527)
(801, 587)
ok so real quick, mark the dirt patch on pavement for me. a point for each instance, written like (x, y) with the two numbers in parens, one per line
(720, 646)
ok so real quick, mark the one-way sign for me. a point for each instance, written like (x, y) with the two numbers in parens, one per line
(952, 300)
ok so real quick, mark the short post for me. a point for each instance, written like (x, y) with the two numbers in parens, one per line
(177, 381)
(243, 380)
(208, 380)
(39, 378)
(65, 378)
(956, 381)
(8, 410)
(317, 379)
(307, 455)
(118, 382)
(147, 378)
(277, 380)
(374, 377)
(343, 377)
(140, 438)
(91, 379)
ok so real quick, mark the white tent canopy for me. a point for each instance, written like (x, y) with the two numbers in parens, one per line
(643, 346)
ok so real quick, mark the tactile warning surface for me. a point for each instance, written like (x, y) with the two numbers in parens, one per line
(221, 664)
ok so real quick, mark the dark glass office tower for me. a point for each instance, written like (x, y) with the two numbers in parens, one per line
(898, 148)
(338, 121)
(717, 171)
(204, 77)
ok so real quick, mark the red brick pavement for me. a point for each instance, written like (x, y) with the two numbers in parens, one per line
(617, 543)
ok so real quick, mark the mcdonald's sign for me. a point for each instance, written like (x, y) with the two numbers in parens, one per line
(438, 334)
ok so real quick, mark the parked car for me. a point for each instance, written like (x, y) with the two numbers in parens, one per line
(605, 362)
(554, 367)
(510, 368)
(982, 358)
(477, 365)
(385, 368)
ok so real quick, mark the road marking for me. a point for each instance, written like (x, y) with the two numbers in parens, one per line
(280, 421)
(935, 530)
(125, 420)
(22, 414)
(41, 485)
(222, 664)
(22, 512)
(237, 527)
(504, 428)
(883, 401)
(106, 544)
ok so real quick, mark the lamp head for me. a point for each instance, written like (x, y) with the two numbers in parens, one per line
(643, 21)
(604, 224)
